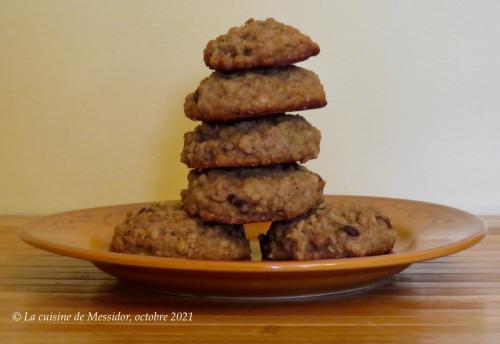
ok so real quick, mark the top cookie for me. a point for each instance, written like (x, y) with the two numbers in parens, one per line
(259, 43)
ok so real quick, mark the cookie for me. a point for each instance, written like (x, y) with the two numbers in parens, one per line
(248, 143)
(254, 93)
(166, 230)
(245, 195)
(330, 231)
(259, 43)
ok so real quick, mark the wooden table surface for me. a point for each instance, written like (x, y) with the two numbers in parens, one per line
(455, 299)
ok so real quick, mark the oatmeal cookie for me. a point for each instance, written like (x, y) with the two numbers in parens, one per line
(259, 43)
(330, 231)
(245, 195)
(254, 93)
(248, 143)
(166, 230)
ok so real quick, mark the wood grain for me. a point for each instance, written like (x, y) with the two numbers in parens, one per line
(453, 299)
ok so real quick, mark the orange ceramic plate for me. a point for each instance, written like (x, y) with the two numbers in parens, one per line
(426, 231)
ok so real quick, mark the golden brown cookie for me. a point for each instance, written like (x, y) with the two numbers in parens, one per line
(256, 142)
(259, 43)
(330, 231)
(166, 230)
(254, 93)
(245, 195)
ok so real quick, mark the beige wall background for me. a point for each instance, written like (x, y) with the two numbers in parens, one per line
(91, 96)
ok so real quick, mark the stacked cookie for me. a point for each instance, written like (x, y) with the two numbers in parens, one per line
(244, 155)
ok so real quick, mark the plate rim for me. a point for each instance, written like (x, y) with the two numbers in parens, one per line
(380, 261)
